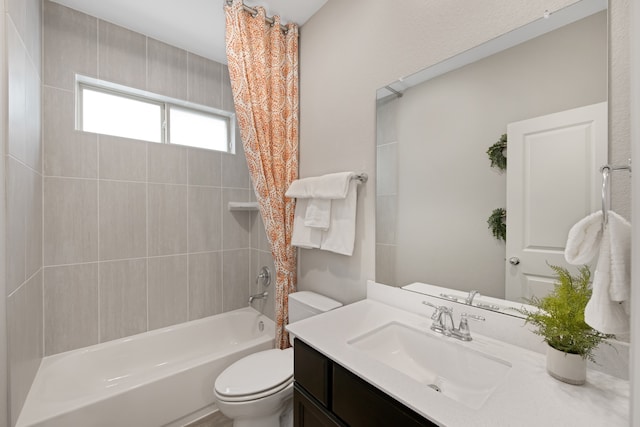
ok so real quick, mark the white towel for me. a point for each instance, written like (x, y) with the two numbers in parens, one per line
(330, 186)
(620, 243)
(303, 236)
(607, 310)
(318, 213)
(583, 241)
(340, 236)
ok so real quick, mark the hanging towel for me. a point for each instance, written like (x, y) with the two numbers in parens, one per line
(331, 186)
(620, 243)
(320, 190)
(607, 310)
(584, 238)
(303, 236)
(340, 236)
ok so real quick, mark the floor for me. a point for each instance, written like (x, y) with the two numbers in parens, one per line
(214, 420)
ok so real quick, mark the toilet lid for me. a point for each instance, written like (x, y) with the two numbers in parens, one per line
(256, 373)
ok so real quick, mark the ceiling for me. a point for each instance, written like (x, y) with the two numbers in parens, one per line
(193, 25)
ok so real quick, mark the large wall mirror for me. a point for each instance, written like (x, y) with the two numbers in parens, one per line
(435, 186)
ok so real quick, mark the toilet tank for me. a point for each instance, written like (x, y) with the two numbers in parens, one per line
(305, 304)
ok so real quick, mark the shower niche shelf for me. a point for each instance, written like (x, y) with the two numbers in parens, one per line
(243, 206)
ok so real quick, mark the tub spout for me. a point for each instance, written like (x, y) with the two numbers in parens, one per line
(261, 295)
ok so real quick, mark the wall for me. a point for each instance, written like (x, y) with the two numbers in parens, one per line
(137, 235)
(23, 174)
(348, 50)
(446, 189)
(4, 400)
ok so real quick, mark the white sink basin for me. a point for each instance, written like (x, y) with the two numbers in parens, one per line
(439, 363)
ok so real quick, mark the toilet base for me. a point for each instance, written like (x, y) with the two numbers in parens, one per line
(263, 412)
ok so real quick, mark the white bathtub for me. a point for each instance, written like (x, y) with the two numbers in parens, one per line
(161, 377)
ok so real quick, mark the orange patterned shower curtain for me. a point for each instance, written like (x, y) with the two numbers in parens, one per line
(263, 66)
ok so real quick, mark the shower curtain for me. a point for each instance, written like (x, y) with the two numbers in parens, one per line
(263, 66)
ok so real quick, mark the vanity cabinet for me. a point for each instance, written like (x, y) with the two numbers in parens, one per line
(326, 394)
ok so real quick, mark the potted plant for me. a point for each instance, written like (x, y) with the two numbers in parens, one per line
(560, 321)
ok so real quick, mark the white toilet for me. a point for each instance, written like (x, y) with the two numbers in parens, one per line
(255, 390)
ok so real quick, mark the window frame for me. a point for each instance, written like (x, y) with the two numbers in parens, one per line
(165, 103)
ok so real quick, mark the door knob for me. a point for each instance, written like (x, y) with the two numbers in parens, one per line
(514, 260)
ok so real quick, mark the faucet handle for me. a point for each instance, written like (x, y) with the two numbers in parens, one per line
(463, 332)
(437, 310)
(464, 316)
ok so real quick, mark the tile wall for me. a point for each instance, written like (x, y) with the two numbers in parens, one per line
(137, 235)
(23, 174)
(386, 189)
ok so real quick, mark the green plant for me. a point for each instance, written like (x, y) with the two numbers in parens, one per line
(560, 318)
(496, 153)
(497, 224)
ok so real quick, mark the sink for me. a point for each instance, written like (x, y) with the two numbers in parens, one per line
(439, 363)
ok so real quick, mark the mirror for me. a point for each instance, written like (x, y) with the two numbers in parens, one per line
(435, 187)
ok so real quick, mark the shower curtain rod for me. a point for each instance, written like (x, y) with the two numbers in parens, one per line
(254, 13)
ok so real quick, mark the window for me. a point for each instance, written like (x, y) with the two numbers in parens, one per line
(111, 109)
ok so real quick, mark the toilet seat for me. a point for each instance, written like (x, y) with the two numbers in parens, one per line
(256, 376)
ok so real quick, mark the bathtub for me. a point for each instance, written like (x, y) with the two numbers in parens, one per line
(162, 377)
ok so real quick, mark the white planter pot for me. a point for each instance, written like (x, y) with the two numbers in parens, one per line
(566, 367)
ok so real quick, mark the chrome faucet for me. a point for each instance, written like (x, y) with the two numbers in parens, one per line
(443, 322)
(261, 295)
(471, 296)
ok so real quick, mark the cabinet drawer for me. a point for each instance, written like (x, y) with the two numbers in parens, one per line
(360, 404)
(311, 370)
(307, 413)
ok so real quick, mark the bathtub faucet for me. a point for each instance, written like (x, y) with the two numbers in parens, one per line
(261, 295)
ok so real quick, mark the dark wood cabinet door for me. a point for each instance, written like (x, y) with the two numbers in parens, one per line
(307, 413)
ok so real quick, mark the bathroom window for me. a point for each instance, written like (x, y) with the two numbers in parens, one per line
(111, 109)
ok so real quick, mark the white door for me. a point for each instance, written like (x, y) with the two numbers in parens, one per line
(553, 181)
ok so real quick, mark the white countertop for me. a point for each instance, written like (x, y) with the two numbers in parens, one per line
(528, 396)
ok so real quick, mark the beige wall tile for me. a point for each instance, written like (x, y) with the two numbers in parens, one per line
(16, 93)
(236, 225)
(70, 307)
(17, 195)
(33, 34)
(167, 219)
(205, 222)
(235, 172)
(24, 334)
(258, 234)
(205, 81)
(168, 290)
(122, 159)
(33, 115)
(205, 167)
(236, 281)
(67, 152)
(167, 163)
(123, 298)
(121, 55)
(33, 223)
(166, 69)
(70, 45)
(205, 284)
(70, 221)
(123, 220)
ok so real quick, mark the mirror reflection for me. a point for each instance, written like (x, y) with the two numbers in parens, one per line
(436, 188)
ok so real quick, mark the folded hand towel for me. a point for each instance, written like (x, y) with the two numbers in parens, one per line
(584, 238)
(303, 236)
(340, 236)
(331, 186)
(318, 213)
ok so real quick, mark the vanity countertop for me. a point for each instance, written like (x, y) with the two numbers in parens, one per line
(527, 396)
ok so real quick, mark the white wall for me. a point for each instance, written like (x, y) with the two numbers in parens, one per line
(347, 51)
(4, 413)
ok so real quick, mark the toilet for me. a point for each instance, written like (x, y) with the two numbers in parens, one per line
(255, 390)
